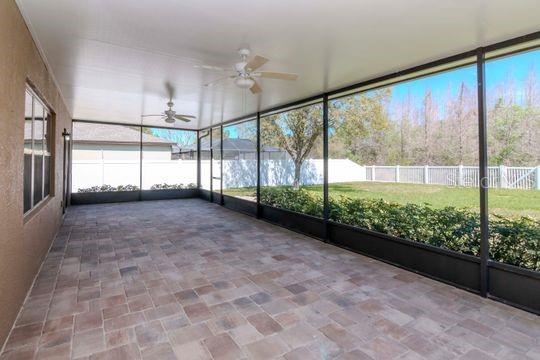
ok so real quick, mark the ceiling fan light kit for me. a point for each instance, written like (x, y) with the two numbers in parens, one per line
(244, 83)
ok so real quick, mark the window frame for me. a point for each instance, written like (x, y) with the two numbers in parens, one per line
(201, 136)
(46, 151)
(144, 148)
(264, 116)
(241, 122)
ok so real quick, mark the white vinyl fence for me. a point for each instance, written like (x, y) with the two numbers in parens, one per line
(88, 173)
(281, 172)
(242, 173)
(498, 176)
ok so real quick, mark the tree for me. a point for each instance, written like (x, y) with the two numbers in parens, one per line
(531, 124)
(506, 134)
(514, 121)
(462, 122)
(295, 131)
(145, 130)
(362, 124)
(406, 114)
(429, 114)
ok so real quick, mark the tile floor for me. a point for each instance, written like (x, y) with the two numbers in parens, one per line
(191, 280)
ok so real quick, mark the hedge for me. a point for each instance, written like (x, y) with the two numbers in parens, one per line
(166, 186)
(108, 188)
(514, 241)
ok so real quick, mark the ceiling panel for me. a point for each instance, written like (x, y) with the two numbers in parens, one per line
(112, 58)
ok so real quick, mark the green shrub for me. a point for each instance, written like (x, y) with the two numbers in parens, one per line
(127, 188)
(166, 186)
(512, 241)
(515, 241)
(450, 228)
(294, 200)
(108, 188)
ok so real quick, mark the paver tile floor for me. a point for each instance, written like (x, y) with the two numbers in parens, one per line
(188, 279)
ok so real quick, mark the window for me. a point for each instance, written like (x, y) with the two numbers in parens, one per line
(106, 157)
(169, 159)
(216, 159)
(292, 161)
(513, 136)
(240, 160)
(37, 151)
(204, 138)
(403, 160)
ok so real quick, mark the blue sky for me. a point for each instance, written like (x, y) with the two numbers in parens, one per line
(497, 72)
(232, 130)
(517, 66)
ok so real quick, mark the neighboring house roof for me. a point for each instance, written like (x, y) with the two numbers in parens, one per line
(93, 133)
(231, 144)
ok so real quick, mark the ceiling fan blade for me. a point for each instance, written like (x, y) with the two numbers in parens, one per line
(211, 67)
(256, 62)
(151, 115)
(182, 118)
(187, 116)
(255, 88)
(212, 83)
(276, 75)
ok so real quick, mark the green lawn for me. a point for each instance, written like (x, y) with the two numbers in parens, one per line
(507, 202)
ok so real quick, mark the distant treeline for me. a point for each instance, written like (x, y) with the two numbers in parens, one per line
(438, 130)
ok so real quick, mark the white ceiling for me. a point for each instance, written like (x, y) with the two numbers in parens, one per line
(112, 58)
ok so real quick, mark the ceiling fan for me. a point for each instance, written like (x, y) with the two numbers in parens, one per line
(169, 115)
(244, 73)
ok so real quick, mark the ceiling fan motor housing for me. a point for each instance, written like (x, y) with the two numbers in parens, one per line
(240, 67)
(244, 51)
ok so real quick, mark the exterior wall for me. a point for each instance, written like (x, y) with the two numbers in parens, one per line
(24, 241)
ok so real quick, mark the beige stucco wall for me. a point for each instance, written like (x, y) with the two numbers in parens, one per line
(23, 242)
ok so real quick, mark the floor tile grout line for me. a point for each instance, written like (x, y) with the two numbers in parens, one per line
(54, 288)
